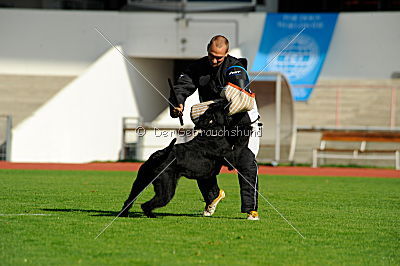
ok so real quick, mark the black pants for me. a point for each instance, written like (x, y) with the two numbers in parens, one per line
(246, 165)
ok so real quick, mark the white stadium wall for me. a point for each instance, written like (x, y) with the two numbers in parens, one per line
(57, 42)
(150, 100)
(47, 42)
(364, 46)
(83, 122)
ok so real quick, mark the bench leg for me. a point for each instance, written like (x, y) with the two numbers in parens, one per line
(397, 160)
(314, 158)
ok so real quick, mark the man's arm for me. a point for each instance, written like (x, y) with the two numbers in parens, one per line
(237, 75)
(237, 90)
(183, 88)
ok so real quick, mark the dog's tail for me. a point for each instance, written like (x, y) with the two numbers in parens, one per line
(171, 145)
(161, 154)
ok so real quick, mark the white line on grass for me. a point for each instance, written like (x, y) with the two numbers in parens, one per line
(105, 228)
(265, 198)
(25, 214)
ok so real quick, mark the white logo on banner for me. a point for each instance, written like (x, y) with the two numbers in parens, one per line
(297, 60)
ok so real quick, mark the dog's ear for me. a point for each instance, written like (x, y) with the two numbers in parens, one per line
(218, 105)
(205, 120)
(220, 111)
(216, 115)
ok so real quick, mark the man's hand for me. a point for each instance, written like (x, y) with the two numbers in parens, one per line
(177, 111)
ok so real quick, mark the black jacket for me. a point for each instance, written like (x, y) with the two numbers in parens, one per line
(209, 81)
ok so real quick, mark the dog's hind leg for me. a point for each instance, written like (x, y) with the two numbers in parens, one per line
(138, 186)
(148, 173)
(164, 189)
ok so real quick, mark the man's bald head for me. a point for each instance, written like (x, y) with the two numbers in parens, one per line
(219, 42)
(217, 50)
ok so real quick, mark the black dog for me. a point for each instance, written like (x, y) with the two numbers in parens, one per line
(200, 158)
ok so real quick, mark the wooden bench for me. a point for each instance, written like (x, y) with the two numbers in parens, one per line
(358, 153)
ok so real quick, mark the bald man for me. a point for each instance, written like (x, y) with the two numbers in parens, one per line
(209, 75)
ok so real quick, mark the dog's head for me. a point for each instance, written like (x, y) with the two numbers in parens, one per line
(214, 117)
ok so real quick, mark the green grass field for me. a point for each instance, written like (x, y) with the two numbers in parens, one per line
(344, 221)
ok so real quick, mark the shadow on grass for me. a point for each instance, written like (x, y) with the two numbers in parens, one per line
(114, 213)
(95, 212)
(134, 214)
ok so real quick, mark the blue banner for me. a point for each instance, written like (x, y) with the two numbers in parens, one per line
(300, 58)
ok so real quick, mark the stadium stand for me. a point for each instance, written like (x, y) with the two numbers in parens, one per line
(363, 151)
(368, 105)
(22, 95)
(354, 89)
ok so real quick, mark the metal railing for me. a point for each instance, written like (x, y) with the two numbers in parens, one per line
(5, 137)
(193, 6)
(130, 139)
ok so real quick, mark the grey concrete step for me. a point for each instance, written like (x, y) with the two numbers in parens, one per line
(21, 95)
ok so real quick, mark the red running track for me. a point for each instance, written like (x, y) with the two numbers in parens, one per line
(280, 170)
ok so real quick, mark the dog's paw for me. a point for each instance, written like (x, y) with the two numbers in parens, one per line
(150, 214)
(123, 214)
